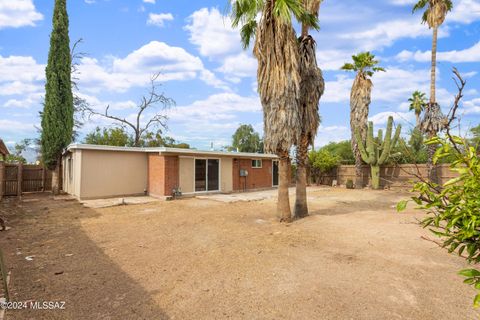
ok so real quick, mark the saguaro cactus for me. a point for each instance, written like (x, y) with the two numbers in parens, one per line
(376, 151)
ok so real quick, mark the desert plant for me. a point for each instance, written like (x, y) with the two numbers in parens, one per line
(365, 65)
(376, 151)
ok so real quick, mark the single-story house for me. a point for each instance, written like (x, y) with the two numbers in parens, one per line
(93, 171)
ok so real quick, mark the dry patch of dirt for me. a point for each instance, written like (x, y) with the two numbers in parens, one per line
(353, 258)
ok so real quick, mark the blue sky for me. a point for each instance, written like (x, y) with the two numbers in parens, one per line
(204, 69)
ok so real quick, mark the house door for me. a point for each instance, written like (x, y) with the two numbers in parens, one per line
(207, 175)
(274, 173)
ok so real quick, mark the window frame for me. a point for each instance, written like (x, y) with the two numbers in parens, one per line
(257, 161)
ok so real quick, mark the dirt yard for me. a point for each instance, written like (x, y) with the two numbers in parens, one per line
(353, 258)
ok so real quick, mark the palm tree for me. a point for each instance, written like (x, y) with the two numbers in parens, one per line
(278, 76)
(417, 105)
(365, 65)
(312, 87)
(434, 121)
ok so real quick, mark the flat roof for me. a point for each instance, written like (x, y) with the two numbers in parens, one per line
(165, 150)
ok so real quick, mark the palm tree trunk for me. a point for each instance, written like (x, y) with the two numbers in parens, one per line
(431, 167)
(434, 65)
(283, 202)
(417, 115)
(301, 207)
(431, 172)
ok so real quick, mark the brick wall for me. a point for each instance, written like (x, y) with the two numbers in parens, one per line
(162, 174)
(258, 178)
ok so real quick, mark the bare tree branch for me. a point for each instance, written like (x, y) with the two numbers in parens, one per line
(150, 101)
(460, 83)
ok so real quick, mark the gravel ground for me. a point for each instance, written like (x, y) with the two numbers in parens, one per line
(353, 258)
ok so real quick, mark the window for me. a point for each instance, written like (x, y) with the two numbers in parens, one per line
(256, 163)
(70, 169)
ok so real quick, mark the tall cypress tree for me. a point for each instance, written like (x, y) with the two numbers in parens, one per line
(57, 116)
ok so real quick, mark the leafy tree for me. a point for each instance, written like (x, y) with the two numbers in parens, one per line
(342, 149)
(433, 121)
(150, 139)
(57, 116)
(246, 139)
(119, 137)
(322, 162)
(276, 50)
(108, 136)
(475, 136)
(20, 148)
(312, 86)
(412, 150)
(417, 105)
(365, 65)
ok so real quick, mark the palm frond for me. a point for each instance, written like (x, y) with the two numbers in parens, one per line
(247, 32)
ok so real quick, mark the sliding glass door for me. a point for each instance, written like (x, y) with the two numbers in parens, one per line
(207, 175)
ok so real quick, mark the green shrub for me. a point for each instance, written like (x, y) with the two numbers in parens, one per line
(454, 208)
(321, 162)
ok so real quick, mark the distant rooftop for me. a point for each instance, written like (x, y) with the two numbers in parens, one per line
(165, 150)
(3, 148)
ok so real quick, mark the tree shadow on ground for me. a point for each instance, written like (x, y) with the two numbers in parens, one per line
(66, 265)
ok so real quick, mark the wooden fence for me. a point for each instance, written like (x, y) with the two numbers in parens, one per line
(392, 176)
(16, 179)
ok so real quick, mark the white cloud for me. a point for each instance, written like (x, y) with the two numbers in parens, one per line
(238, 66)
(338, 90)
(135, 70)
(332, 59)
(216, 107)
(392, 87)
(464, 12)
(18, 13)
(326, 134)
(403, 2)
(471, 106)
(20, 68)
(22, 80)
(17, 127)
(398, 117)
(213, 119)
(158, 19)
(149, 1)
(385, 33)
(471, 54)
(212, 33)
(31, 100)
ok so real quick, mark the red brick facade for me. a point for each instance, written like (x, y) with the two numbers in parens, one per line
(258, 178)
(162, 175)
